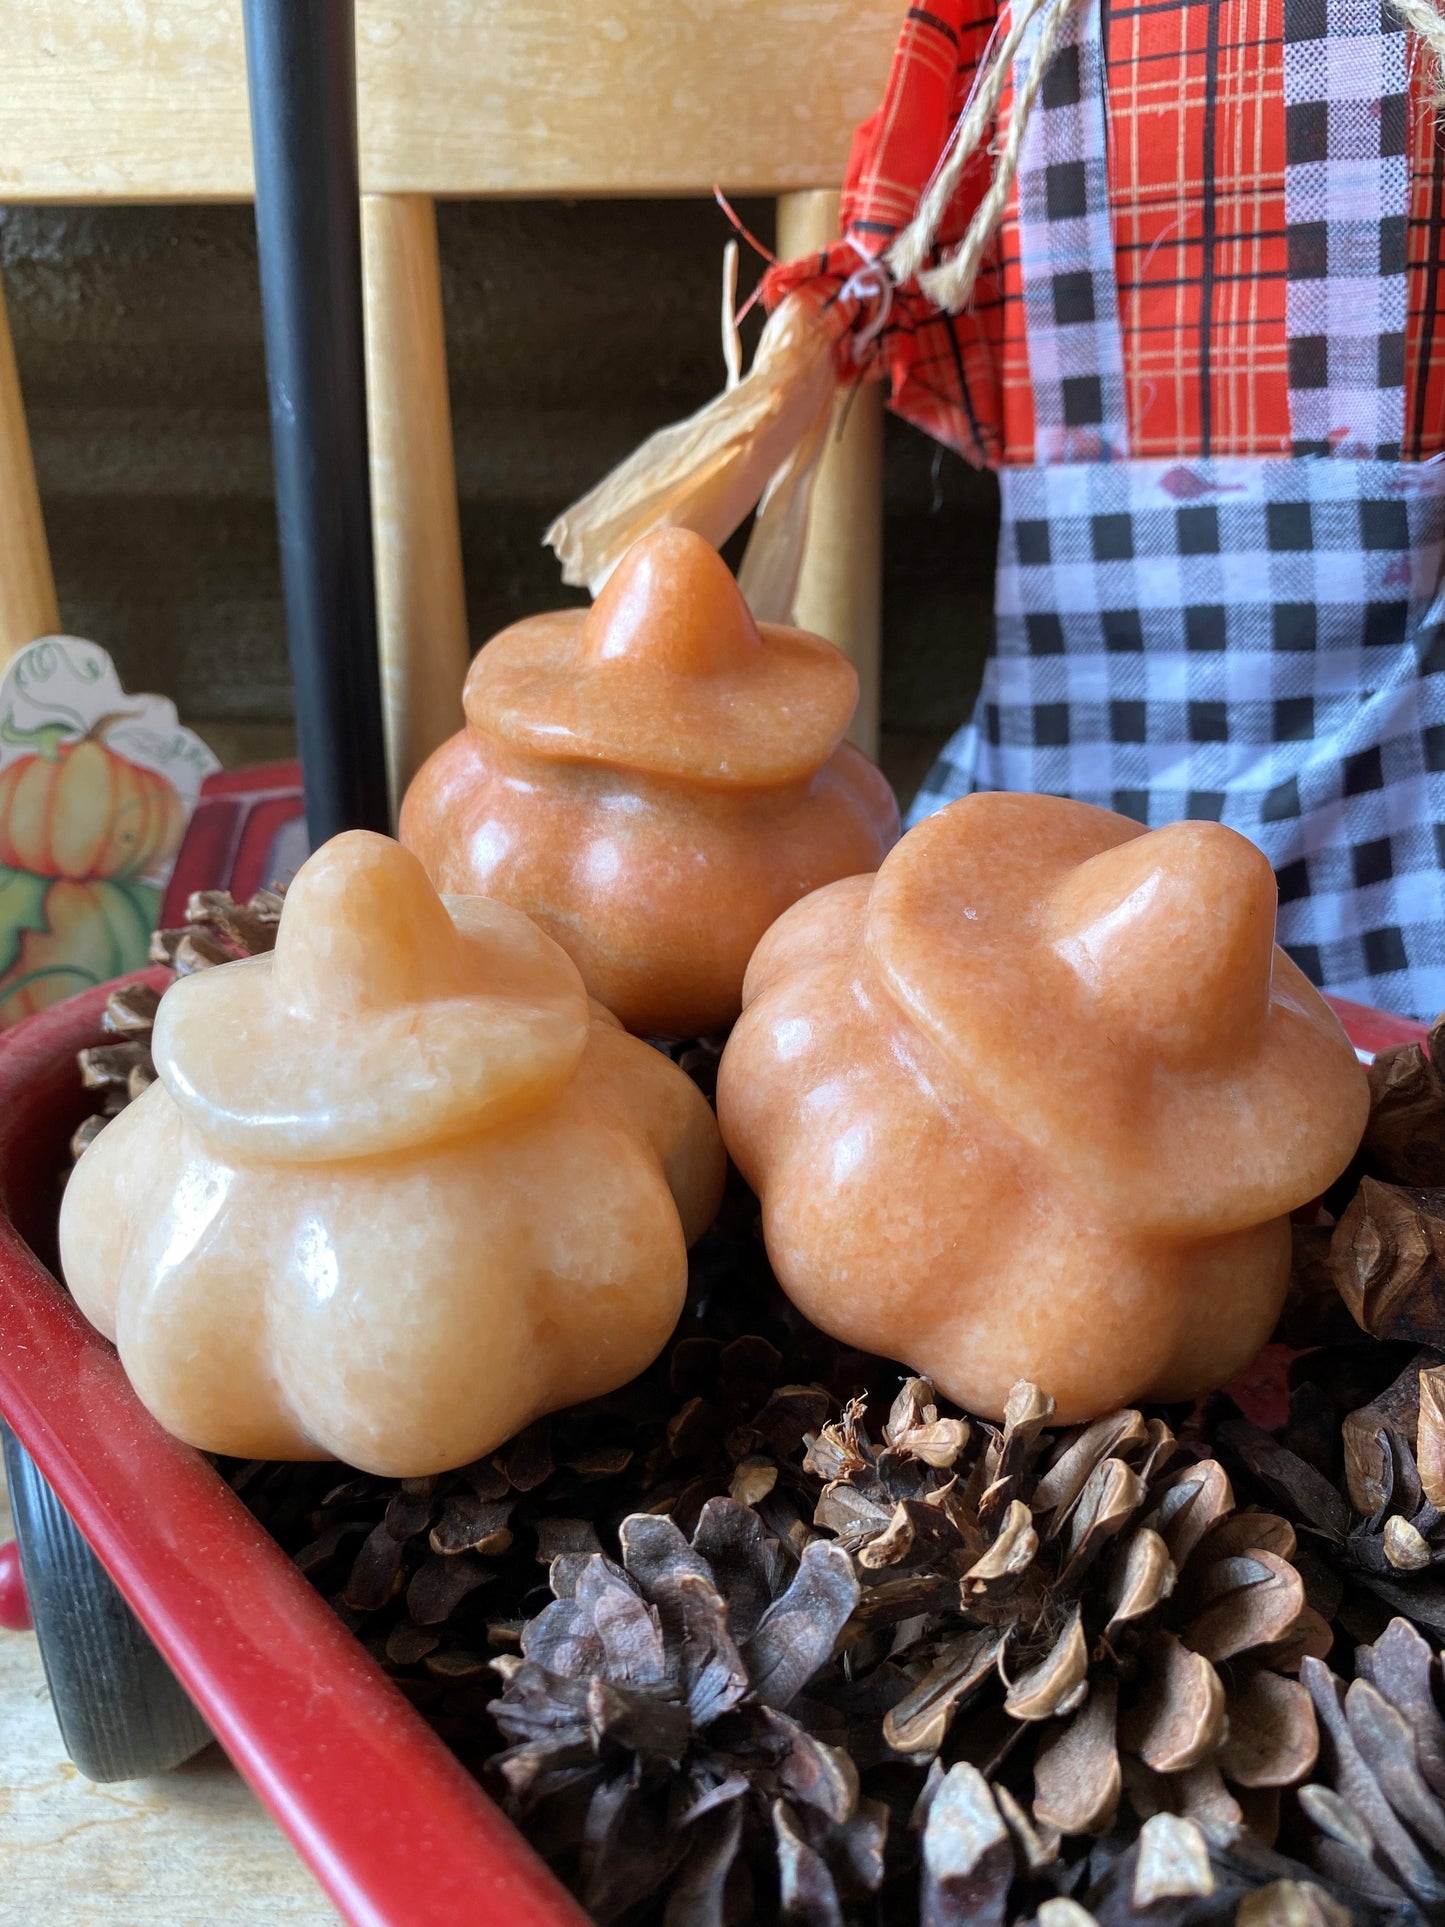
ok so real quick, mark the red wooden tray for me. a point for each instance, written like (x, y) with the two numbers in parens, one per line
(395, 1830)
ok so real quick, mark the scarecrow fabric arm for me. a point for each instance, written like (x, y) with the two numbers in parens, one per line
(937, 366)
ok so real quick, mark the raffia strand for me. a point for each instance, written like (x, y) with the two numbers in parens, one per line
(1424, 20)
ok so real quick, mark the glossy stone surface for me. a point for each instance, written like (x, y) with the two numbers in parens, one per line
(654, 781)
(1035, 1100)
(400, 1189)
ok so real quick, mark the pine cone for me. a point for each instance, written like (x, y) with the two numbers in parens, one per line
(1382, 1513)
(217, 930)
(1071, 1602)
(982, 1865)
(1386, 1256)
(738, 1430)
(650, 1731)
(1404, 1141)
(1375, 1821)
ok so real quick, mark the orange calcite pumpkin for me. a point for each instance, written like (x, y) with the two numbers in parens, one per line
(1034, 1102)
(399, 1190)
(654, 780)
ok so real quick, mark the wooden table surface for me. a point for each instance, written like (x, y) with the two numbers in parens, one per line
(191, 1849)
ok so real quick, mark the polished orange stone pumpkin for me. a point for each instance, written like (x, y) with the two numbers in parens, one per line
(653, 781)
(82, 810)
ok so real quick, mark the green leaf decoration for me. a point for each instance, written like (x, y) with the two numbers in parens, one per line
(131, 910)
(22, 908)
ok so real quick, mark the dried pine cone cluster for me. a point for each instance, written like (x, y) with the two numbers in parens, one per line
(1382, 1256)
(1361, 1484)
(730, 1649)
(1035, 1682)
(1095, 1618)
(1360, 1463)
(1174, 1873)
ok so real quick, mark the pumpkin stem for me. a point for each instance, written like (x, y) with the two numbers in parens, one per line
(45, 737)
(48, 737)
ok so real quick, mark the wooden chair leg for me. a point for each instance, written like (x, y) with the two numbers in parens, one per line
(421, 600)
(27, 587)
(840, 593)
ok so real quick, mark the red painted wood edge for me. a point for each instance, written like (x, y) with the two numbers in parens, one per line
(1375, 1030)
(396, 1831)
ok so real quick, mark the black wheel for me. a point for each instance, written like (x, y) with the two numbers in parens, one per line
(122, 1713)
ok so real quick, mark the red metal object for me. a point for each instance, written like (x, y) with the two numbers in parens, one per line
(248, 830)
(14, 1606)
(396, 1831)
(1375, 1030)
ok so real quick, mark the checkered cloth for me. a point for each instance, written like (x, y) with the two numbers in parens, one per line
(1346, 197)
(1256, 642)
(1066, 254)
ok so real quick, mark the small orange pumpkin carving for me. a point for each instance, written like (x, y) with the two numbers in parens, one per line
(82, 810)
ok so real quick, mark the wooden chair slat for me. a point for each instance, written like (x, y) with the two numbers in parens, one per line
(421, 602)
(840, 590)
(27, 587)
(135, 100)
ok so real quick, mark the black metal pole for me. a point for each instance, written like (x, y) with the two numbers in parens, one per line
(301, 66)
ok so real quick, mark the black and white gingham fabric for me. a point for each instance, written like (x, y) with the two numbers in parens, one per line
(1258, 642)
(1076, 353)
(1346, 194)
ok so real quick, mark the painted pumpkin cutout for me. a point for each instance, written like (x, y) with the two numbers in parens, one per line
(80, 809)
(96, 789)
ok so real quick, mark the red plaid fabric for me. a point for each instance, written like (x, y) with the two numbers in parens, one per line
(1197, 171)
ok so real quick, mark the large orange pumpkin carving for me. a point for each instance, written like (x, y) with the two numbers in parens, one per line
(81, 810)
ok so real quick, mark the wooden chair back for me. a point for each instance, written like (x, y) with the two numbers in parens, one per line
(145, 100)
